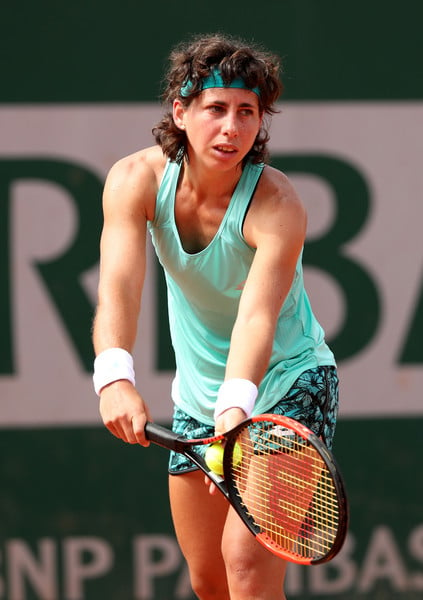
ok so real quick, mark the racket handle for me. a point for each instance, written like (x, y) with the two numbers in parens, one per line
(162, 437)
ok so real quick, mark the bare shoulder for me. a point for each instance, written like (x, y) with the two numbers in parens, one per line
(144, 163)
(133, 181)
(276, 187)
(276, 209)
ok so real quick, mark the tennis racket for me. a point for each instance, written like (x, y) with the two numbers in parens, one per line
(282, 481)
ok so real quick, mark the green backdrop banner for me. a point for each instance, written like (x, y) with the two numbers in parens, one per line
(101, 51)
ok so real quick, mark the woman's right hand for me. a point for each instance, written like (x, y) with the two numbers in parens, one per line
(124, 412)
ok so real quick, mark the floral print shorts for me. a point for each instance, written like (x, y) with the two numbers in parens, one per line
(312, 400)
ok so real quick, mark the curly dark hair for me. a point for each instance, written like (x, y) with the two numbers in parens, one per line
(194, 60)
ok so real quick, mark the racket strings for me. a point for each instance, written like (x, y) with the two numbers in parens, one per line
(287, 490)
(326, 500)
(281, 531)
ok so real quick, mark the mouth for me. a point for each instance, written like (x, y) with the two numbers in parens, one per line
(226, 149)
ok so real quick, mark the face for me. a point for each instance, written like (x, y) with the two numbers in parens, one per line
(221, 125)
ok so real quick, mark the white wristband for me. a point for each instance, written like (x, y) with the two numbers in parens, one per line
(111, 365)
(236, 393)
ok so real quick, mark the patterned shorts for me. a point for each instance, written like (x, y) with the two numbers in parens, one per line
(312, 400)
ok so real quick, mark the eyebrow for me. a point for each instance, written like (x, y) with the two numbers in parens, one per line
(241, 105)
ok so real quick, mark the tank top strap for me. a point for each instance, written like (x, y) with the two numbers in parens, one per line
(166, 193)
(242, 197)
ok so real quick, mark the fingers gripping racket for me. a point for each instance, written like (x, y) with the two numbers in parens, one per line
(282, 481)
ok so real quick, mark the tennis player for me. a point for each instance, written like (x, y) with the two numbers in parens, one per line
(229, 231)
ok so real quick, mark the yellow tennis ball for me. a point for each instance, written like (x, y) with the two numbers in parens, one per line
(237, 455)
(214, 458)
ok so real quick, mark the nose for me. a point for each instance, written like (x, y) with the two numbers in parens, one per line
(230, 126)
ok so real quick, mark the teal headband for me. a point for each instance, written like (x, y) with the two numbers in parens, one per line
(214, 80)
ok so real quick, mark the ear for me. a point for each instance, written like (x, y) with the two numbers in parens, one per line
(178, 114)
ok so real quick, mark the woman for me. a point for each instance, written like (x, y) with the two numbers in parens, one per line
(229, 232)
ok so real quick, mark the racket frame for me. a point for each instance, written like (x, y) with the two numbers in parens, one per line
(168, 439)
(334, 472)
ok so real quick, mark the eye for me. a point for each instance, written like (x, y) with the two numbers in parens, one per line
(247, 112)
(215, 108)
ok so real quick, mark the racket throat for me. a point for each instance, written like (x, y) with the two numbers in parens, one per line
(201, 463)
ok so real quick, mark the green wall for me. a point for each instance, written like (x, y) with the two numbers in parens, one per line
(91, 51)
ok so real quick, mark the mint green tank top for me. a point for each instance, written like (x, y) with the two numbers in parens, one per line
(204, 290)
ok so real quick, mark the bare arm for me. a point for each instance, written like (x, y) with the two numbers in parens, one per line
(275, 226)
(127, 204)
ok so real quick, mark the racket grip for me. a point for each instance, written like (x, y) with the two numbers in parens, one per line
(162, 437)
